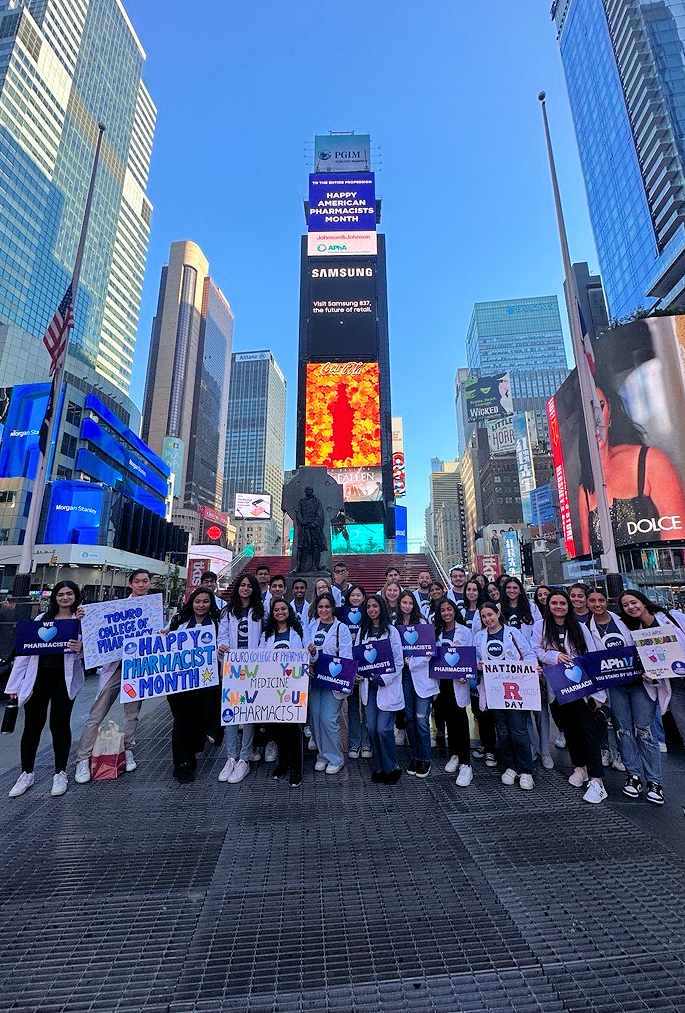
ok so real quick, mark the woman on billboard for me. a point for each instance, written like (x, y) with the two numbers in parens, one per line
(646, 497)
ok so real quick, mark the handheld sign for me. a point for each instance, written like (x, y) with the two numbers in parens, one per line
(335, 673)
(351, 617)
(418, 641)
(165, 663)
(618, 666)
(512, 685)
(49, 636)
(106, 624)
(453, 663)
(263, 686)
(374, 658)
(660, 652)
(569, 682)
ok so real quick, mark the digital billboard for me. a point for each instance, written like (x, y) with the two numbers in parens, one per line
(342, 202)
(542, 506)
(522, 424)
(501, 439)
(342, 152)
(213, 526)
(360, 485)
(362, 538)
(342, 244)
(75, 513)
(640, 386)
(399, 471)
(342, 415)
(24, 414)
(488, 397)
(94, 434)
(401, 540)
(252, 506)
(342, 309)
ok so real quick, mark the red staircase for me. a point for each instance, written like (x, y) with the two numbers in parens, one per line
(369, 571)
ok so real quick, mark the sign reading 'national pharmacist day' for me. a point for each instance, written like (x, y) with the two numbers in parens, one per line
(512, 685)
(106, 624)
(166, 663)
(262, 686)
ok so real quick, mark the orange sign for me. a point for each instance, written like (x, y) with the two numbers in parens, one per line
(342, 416)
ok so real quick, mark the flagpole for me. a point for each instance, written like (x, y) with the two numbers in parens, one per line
(22, 580)
(588, 391)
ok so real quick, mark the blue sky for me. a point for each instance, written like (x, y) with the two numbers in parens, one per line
(448, 91)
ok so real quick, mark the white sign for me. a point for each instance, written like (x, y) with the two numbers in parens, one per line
(342, 244)
(264, 687)
(501, 437)
(106, 624)
(511, 685)
(340, 152)
(661, 654)
(360, 485)
(164, 664)
(252, 506)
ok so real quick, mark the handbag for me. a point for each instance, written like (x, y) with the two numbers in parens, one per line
(108, 759)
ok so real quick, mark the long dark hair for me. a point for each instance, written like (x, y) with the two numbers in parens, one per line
(293, 622)
(351, 588)
(314, 610)
(255, 602)
(622, 428)
(652, 607)
(187, 615)
(53, 608)
(480, 597)
(415, 616)
(525, 615)
(541, 604)
(366, 627)
(439, 621)
(550, 629)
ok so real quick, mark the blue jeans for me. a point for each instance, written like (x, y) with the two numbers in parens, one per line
(358, 733)
(381, 725)
(417, 711)
(634, 712)
(324, 721)
(513, 743)
(231, 740)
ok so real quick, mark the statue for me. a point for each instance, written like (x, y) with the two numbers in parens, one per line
(311, 541)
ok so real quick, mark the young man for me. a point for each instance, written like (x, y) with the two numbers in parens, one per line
(110, 685)
(340, 582)
(263, 575)
(422, 593)
(457, 584)
(299, 603)
(392, 576)
(276, 590)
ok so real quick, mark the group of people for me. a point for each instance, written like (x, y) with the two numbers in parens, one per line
(621, 727)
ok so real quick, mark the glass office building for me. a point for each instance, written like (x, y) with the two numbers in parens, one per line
(624, 62)
(66, 65)
(515, 334)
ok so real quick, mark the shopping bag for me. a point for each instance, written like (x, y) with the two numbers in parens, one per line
(109, 756)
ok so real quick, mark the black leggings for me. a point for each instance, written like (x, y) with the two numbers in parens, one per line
(486, 725)
(456, 722)
(583, 728)
(49, 690)
(288, 737)
(190, 721)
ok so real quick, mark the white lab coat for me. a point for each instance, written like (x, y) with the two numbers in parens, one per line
(228, 630)
(25, 669)
(423, 606)
(547, 656)
(390, 696)
(295, 641)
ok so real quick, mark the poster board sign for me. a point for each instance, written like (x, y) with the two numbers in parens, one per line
(661, 654)
(418, 641)
(263, 686)
(49, 636)
(451, 662)
(617, 666)
(512, 685)
(106, 624)
(335, 673)
(161, 664)
(569, 682)
(374, 658)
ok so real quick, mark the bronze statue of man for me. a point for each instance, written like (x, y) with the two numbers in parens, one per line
(311, 540)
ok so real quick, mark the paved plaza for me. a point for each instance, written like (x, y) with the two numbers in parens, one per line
(146, 895)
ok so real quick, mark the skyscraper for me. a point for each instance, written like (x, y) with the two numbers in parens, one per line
(186, 394)
(65, 66)
(446, 520)
(625, 70)
(593, 307)
(255, 438)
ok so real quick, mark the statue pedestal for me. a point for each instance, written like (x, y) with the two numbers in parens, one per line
(330, 496)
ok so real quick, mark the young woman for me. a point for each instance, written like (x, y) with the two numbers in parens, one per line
(50, 681)
(240, 627)
(419, 690)
(358, 733)
(283, 632)
(496, 642)
(492, 592)
(437, 593)
(578, 594)
(637, 611)
(327, 635)
(192, 710)
(540, 596)
(480, 580)
(321, 586)
(391, 596)
(517, 611)
(450, 629)
(473, 599)
(383, 696)
(557, 640)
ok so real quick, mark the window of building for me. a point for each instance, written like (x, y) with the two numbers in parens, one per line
(74, 412)
(69, 444)
(4, 536)
(63, 472)
(7, 496)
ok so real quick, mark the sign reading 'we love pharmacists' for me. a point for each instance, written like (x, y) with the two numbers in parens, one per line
(49, 637)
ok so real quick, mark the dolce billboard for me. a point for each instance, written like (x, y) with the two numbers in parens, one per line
(342, 309)
(640, 388)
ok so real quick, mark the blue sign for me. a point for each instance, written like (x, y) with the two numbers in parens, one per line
(401, 543)
(618, 666)
(452, 662)
(92, 403)
(123, 455)
(19, 444)
(75, 513)
(92, 465)
(542, 506)
(511, 553)
(49, 636)
(338, 674)
(418, 641)
(374, 658)
(145, 498)
(569, 682)
(342, 202)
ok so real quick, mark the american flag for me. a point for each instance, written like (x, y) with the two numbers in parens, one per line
(56, 336)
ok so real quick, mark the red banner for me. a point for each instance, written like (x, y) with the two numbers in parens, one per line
(196, 567)
(560, 476)
(489, 566)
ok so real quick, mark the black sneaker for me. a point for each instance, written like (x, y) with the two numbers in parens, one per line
(295, 779)
(633, 786)
(423, 769)
(279, 772)
(412, 767)
(184, 773)
(378, 777)
(655, 793)
(394, 776)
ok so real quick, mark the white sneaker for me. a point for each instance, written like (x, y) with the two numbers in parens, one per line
(477, 752)
(255, 756)
(311, 745)
(509, 776)
(452, 765)
(547, 761)
(578, 777)
(526, 782)
(367, 754)
(131, 764)
(23, 783)
(560, 741)
(271, 752)
(400, 737)
(82, 775)
(596, 793)
(465, 776)
(240, 772)
(490, 760)
(307, 732)
(334, 768)
(663, 748)
(227, 769)
(60, 783)
(353, 754)
(320, 764)
(433, 740)
(606, 758)
(618, 764)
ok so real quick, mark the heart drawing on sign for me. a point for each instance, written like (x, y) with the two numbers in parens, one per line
(354, 615)
(574, 674)
(411, 637)
(335, 668)
(452, 658)
(47, 633)
(370, 653)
